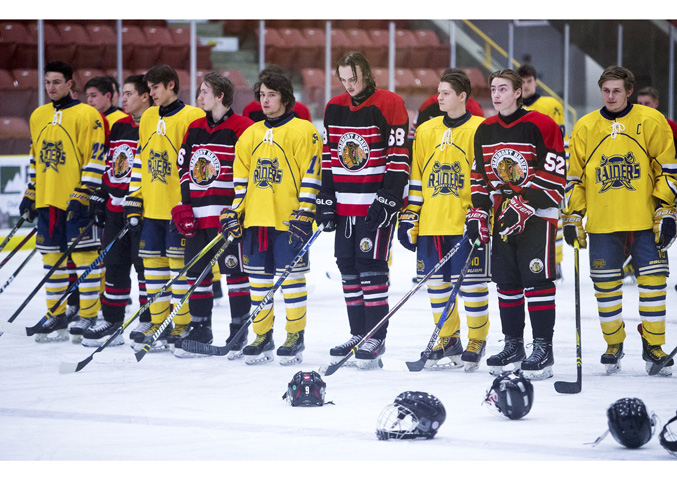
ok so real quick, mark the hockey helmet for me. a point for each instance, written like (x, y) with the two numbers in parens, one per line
(668, 438)
(306, 389)
(413, 415)
(511, 394)
(629, 422)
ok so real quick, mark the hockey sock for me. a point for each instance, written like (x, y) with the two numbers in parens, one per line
(476, 304)
(239, 296)
(116, 296)
(73, 298)
(260, 285)
(143, 293)
(609, 296)
(352, 293)
(179, 289)
(57, 284)
(541, 306)
(439, 292)
(90, 287)
(201, 301)
(652, 292)
(511, 309)
(375, 291)
(156, 271)
(295, 299)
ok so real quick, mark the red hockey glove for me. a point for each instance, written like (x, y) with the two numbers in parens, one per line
(477, 225)
(514, 218)
(182, 215)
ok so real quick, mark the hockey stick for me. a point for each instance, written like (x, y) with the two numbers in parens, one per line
(331, 369)
(29, 331)
(575, 386)
(448, 309)
(146, 347)
(19, 223)
(66, 367)
(210, 350)
(18, 247)
(656, 367)
(14, 275)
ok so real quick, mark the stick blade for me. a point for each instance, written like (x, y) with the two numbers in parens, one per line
(655, 368)
(416, 365)
(332, 368)
(568, 387)
(202, 348)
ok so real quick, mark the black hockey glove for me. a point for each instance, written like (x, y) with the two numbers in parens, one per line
(133, 208)
(664, 226)
(230, 225)
(78, 205)
(97, 206)
(514, 218)
(383, 210)
(407, 231)
(27, 205)
(325, 211)
(572, 229)
(300, 228)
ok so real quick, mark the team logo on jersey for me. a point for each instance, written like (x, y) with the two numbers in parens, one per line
(617, 172)
(353, 151)
(52, 155)
(599, 263)
(159, 166)
(204, 167)
(446, 179)
(510, 166)
(366, 245)
(267, 173)
(231, 261)
(123, 158)
(420, 266)
(536, 265)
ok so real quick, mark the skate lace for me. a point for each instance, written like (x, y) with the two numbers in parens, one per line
(474, 345)
(352, 341)
(612, 349)
(180, 329)
(442, 343)
(260, 339)
(539, 351)
(101, 326)
(371, 345)
(656, 351)
(84, 322)
(508, 350)
(292, 338)
(143, 327)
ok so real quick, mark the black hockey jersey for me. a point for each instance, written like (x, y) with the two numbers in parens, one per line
(123, 140)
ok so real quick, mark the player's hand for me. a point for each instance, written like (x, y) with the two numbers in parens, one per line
(133, 209)
(407, 230)
(97, 206)
(182, 215)
(300, 228)
(230, 224)
(572, 229)
(325, 211)
(514, 218)
(477, 225)
(664, 226)
(383, 210)
(27, 205)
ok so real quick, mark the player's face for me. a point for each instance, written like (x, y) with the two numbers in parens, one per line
(162, 95)
(206, 100)
(353, 83)
(614, 95)
(271, 102)
(648, 101)
(132, 102)
(503, 96)
(528, 86)
(97, 99)
(450, 102)
(56, 85)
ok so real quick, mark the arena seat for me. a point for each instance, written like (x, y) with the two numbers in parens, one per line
(273, 44)
(26, 86)
(25, 45)
(360, 41)
(12, 101)
(313, 54)
(56, 49)
(293, 46)
(243, 91)
(82, 76)
(7, 49)
(379, 47)
(15, 136)
(429, 52)
(405, 81)
(478, 82)
(405, 41)
(137, 52)
(173, 50)
(427, 79)
(340, 44)
(106, 36)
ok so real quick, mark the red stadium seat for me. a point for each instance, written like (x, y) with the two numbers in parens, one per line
(312, 55)
(26, 86)
(361, 42)
(181, 37)
(381, 77)
(405, 81)
(137, 52)
(429, 51)
(293, 45)
(243, 92)
(56, 49)
(82, 76)
(405, 41)
(12, 101)
(427, 79)
(15, 136)
(273, 44)
(340, 44)
(25, 45)
(106, 36)
(173, 52)
(478, 82)
(379, 47)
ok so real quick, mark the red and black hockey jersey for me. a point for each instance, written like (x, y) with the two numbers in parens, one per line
(522, 153)
(123, 140)
(205, 165)
(365, 148)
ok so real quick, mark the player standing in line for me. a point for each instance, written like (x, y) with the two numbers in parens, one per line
(623, 179)
(253, 109)
(277, 177)
(433, 222)
(649, 97)
(67, 158)
(154, 189)
(205, 167)
(99, 93)
(106, 209)
(519, 174)
(365, 175)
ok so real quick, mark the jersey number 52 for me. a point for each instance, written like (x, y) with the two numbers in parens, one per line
(555, 163)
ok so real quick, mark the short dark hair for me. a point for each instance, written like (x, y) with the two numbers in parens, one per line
(459, 81)
(614, 72)
(220, 85)
(355, 59)
(101, 83)
(139, 85)
(513, 77)
(279, 83)
(649, 91)
(60, 67)
(526, 70)
(162, 73)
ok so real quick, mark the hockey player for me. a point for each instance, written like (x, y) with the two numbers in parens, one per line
(67, 158)
(519, 176)
(277, 176)
(623, 179)
(106, 209)
(253, 109)
(433, 222)
(205, 167)
(99, 92)
(154, 190)
(365, 173)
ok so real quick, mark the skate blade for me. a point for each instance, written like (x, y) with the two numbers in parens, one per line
(158, 346)
(665, 371)
(180, 353)
(537, 375)
(470, 367)
(352, 362)
(291, 360)
(262, 358)
(497, 370)
(119, 340)
(369, 364)
(451, 362)
(233, 355)
(54, 336)
(76, 338)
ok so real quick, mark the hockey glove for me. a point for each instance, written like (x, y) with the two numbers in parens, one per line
(182, 215)
(97, 206)
(514, 218)
(664, 226)
(383, 210)
(230, 224)
(572, 228)
(407, 231)
(300, 228)
(78, 205)
(477, 225)
(133, 208)
(27, 205)
(325, 211)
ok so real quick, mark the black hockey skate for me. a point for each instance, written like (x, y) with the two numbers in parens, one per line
(473, 354)
(653, 355)
(339, 352)
(140, 331)
(512, 354)
(538, 366)
(261, 350)
(291, 352)
(611, 359)
(99, 333)
(446, 354)
(77, 328)
(200, 331)
(146, 337)
(54, 329)
(181, 331)
(368, 356)
(236, 351)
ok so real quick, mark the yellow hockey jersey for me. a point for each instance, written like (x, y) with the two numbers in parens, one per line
(439, 185)
(620, 168)
(276, 170)
(155, 177)
(68, 150)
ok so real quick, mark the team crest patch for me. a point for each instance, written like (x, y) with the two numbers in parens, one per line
(123, 156)
(420, 266)
(159, 166)
(267, 173)
(142, 244)
(446, 179)
(204, 167)
(598, 263)
(353, 151)
(231, 261)
(52, 155)
(510, 166)
(536, 266)
(617, 172)
(366, 245)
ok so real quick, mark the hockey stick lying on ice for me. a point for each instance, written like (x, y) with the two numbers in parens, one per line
(448, 309)
(14, 275)
(210, 350)
(29, 331)
(66, 367)
(575, 386)
(177, 306)
(18, 247)
(19, 223)
(655, 368)
(332, 368)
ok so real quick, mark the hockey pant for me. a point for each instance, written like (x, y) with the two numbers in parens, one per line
(295, 299)
(58, 283)
(476, 304)
(159, 271)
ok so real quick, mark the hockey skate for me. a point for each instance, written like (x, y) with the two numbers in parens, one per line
(54, 330)
(160, 344)
(236, 351)
(99, 333)
(473, 354)
(653, 355)
(291, 352)
(77, 328)
(72, 313)
(611, 359)
(179, 332)
(538, 366)
(512, 354)
(339, 352)
(200, 331)
(139, 331)
(446, 354)
(261, 350)
(368, 356)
